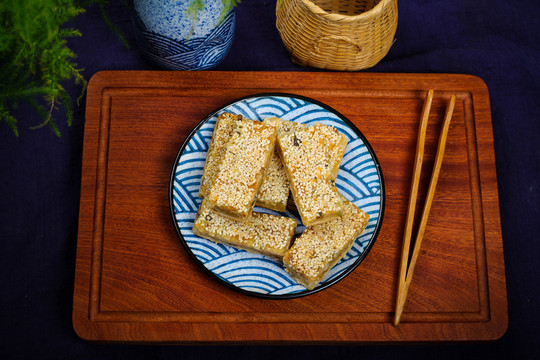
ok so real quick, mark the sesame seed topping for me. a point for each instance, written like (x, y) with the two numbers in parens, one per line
(263, 233)
(306, 159)
(274, 191)
(242, 168)
(321, 246)
(225, 123)
(335, 143)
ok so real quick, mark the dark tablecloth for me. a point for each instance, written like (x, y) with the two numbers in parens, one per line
(40, 175)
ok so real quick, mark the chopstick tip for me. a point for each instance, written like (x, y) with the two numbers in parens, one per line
(399, 310)
(397, 318)
(429, 95)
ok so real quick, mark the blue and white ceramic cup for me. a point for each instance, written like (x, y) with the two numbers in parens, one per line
(175, 37)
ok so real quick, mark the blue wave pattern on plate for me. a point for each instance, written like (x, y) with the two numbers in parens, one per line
(358, 180)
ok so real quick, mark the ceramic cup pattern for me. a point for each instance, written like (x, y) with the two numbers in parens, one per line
(175, 38)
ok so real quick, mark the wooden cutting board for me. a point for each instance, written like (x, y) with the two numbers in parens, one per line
(134, 281)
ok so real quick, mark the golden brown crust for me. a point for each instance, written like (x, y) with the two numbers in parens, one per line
(274, 191)
(307, 160)
(336, 144)
(266, 234)
(252, 168)
(225, 124)
(242, 169)
(321, 246)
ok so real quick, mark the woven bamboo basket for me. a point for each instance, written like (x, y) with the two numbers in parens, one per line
(344, 35)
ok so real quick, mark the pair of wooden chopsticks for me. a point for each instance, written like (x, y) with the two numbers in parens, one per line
(406, 270)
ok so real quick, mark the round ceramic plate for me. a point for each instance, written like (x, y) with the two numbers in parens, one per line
(359, 180)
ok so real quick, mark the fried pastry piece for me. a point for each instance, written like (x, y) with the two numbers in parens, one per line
(321, 246)
(274, 191)
(266, 234)
(225, 124)
(242, 169)
(307, 164)
(336, 145)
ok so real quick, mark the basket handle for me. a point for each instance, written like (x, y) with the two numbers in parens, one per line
(317, 44)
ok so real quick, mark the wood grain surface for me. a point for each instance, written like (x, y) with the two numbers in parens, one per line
(134, 282)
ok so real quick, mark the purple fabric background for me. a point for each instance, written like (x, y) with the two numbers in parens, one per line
(40, 176)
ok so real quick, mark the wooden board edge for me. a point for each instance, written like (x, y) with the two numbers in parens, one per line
(491, 205)
(80, 313)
